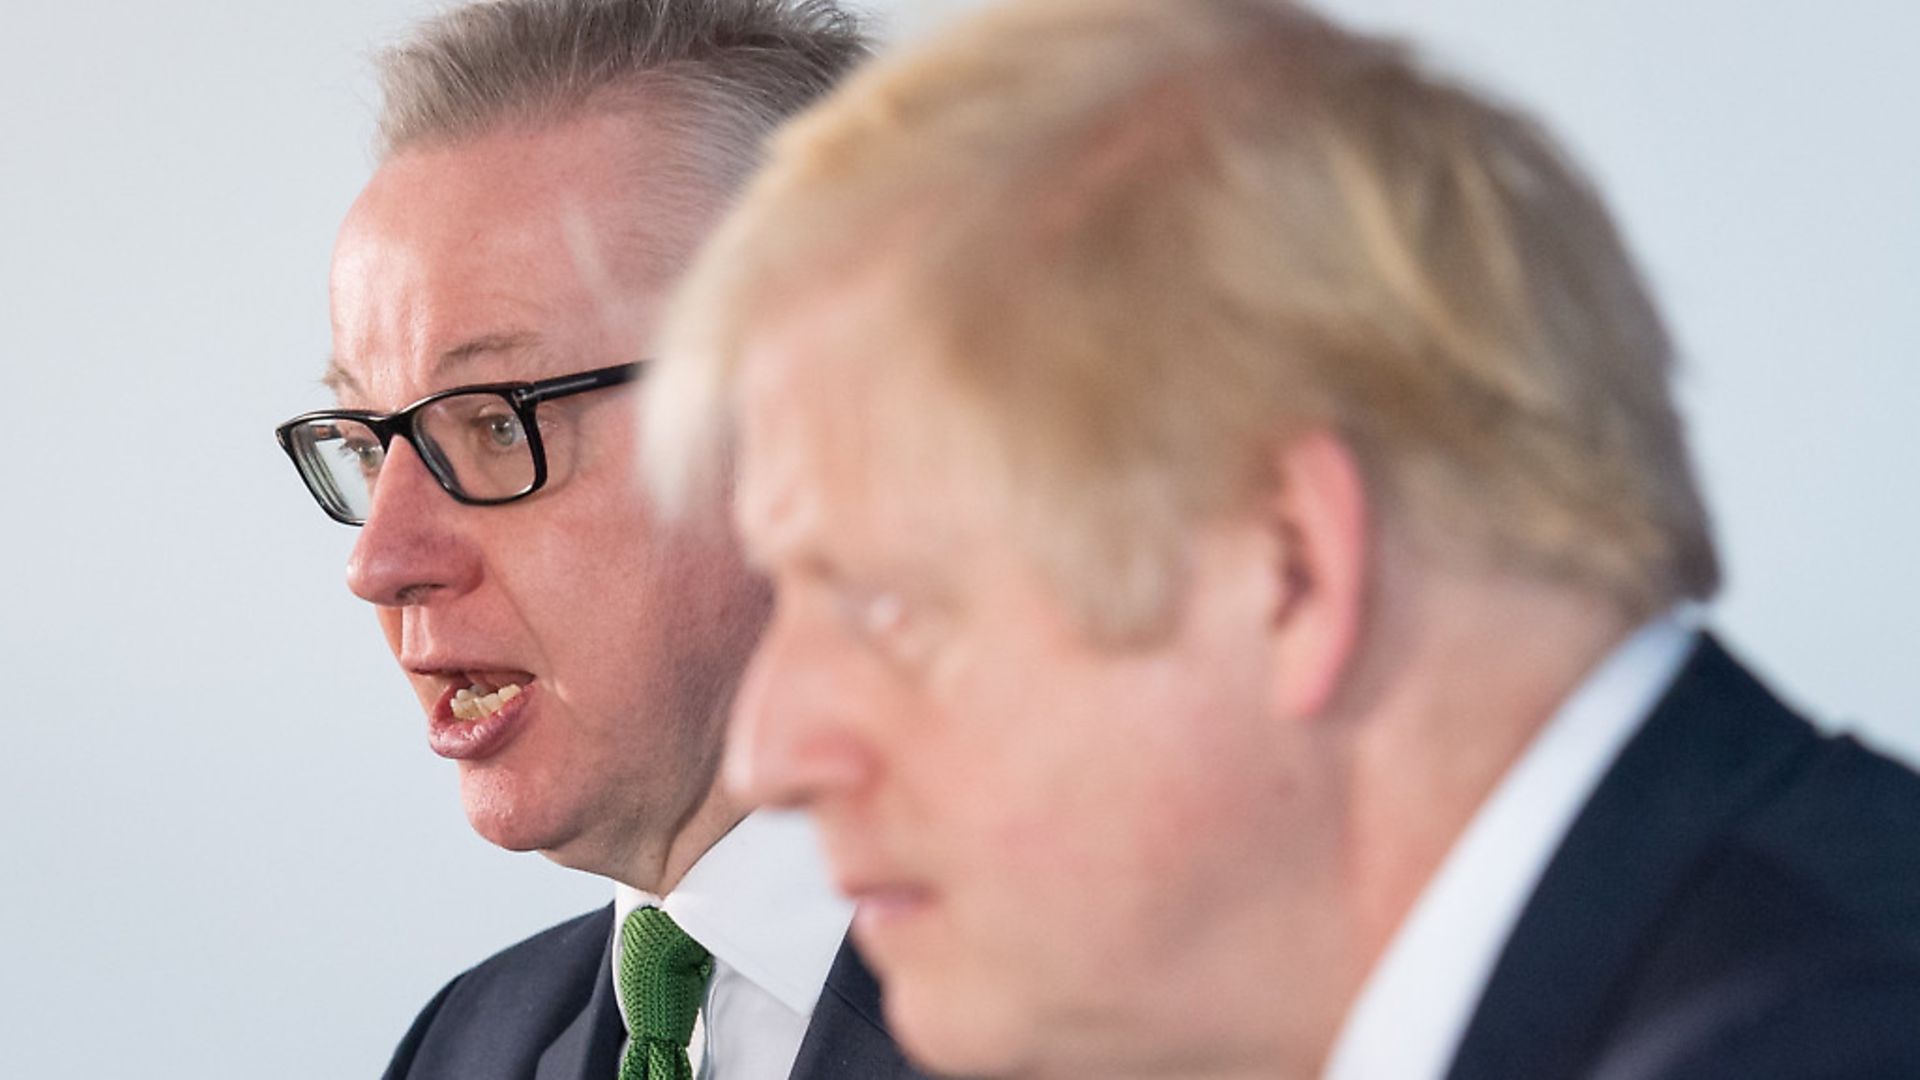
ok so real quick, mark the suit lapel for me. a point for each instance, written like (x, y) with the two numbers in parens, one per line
(847, 1039)
(1716, 742)
(589, 1047)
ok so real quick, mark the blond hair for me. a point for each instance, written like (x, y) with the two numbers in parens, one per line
(729, 70)
(1149, 241)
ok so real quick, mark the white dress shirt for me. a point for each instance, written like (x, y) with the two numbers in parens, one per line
(762, 903)
(1414, 1008)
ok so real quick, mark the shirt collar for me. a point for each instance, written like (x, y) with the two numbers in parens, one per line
(761, 902)
(1417, 1002)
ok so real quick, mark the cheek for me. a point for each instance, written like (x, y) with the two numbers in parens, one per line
(1109, 781)
(580, 571)
(705, 611)
(1022, 798)
(576, 588)
(658, 634)
(603, 546)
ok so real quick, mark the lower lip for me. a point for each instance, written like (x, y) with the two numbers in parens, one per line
(476, 740)
(883, 911)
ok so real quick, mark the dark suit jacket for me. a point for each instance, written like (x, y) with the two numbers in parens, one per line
(544, 1010)
(1739, 900)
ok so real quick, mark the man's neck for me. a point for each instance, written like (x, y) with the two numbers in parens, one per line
(656, 864)
(713, 820)
(1480, 666)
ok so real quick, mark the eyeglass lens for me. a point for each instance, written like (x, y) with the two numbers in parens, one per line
(474, 442)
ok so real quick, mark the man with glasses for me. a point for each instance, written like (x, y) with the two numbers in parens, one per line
(546, 167)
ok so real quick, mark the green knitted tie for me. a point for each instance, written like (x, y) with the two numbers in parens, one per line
(663, 974)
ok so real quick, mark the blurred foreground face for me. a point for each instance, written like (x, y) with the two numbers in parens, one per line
(1195, 452)
(510, 258)
(1029, 821)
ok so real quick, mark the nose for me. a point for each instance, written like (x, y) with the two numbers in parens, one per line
(796, 737)
(410, 550)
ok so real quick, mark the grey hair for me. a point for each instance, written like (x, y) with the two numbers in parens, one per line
(728, 71)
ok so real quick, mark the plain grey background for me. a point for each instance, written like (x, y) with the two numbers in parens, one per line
(228, 852)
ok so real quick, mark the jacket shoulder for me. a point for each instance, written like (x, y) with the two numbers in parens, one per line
(1732, 857)
(1846, 826)
(498, 1016)
(1792, 946)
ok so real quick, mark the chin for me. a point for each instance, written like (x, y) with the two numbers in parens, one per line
(509, 832)
(954, 1030)
(516, 820)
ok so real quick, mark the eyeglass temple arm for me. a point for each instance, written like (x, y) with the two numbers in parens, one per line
(567, 385)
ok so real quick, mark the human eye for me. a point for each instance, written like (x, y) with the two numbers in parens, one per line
(496, 428)
(887, 622)
(357, 450)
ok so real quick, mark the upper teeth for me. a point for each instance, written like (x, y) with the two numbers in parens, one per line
(476, 701)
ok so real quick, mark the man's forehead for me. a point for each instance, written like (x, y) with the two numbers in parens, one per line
(782, 467)
(500, 356)
(437, 285)
(842, 464)
(609, 186)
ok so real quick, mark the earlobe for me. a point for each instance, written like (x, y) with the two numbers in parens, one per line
(1318, 510)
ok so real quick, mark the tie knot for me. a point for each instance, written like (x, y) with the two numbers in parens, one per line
(663, 974)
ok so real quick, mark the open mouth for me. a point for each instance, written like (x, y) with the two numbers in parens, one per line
(484, 693)
(482, 699)
(480, 713)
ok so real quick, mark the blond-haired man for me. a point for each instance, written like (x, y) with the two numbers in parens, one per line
(546, 168)
(1235, 549)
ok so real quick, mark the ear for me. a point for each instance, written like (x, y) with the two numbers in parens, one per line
(1318, 513)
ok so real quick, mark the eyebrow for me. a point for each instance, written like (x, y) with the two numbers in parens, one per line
(338, 380)
(513, 341)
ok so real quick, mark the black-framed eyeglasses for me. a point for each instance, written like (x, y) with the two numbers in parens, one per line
(482, 443)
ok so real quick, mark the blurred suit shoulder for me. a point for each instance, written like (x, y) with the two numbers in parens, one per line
(1740, 898)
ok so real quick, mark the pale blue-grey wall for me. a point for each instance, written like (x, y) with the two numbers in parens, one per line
(227, 852)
